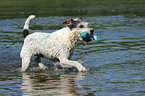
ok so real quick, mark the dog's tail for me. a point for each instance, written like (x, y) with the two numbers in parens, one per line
(26, 26)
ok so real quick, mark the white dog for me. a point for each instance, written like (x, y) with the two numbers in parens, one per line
(57, 45)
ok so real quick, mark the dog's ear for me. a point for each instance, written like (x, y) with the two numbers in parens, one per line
(81, 18)
(68, 22)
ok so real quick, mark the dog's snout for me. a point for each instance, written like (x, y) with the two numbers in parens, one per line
(92, 31)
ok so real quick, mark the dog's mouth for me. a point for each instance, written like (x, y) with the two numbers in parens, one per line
(88, 37)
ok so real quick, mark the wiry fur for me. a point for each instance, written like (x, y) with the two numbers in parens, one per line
(56, 45)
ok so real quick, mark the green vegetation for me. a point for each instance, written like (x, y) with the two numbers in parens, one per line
(22, 8)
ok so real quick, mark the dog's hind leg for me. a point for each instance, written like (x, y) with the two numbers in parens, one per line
(39, 60)
(25, 62)
(26, 58)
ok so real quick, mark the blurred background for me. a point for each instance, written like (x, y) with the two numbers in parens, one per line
(22, 8)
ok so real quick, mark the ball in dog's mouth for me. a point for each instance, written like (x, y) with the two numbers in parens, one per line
(86, 37)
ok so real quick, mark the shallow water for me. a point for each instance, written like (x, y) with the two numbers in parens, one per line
(116, 62)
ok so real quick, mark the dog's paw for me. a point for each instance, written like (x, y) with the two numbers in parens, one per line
(82, 69)
(41, 66)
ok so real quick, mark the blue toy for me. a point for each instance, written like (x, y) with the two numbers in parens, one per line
(95, 37)
(85, 35)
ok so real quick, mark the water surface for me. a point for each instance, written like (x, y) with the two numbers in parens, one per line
(116, 62)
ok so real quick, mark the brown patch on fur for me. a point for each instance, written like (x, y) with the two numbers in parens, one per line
(68, 22)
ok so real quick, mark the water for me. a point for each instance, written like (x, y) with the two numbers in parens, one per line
(116, 62)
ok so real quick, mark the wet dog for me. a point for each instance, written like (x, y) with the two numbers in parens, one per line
(57, 45)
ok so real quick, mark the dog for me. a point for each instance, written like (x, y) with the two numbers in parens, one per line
(57, 45)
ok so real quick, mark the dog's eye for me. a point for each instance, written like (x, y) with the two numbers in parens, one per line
(81, 26)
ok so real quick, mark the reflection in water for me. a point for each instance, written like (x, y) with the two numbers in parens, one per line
(58, 85)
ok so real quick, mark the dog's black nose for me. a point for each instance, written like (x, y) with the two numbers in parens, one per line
(92, 31)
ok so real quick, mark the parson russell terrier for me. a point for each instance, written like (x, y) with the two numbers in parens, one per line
(57, 45)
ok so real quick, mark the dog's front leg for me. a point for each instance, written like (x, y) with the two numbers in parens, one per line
(73, 63)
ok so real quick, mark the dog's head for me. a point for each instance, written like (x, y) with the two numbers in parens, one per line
(81, 27)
